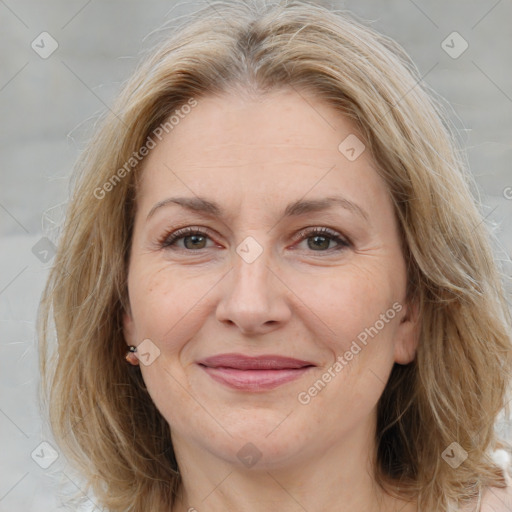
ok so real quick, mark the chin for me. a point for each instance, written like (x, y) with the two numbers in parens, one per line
(262, 455)
(262, 440)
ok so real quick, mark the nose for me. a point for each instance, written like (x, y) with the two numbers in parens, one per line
(253, 298)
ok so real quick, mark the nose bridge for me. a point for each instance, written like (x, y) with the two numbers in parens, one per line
(250, 283)
(251, 269)
(251, 299)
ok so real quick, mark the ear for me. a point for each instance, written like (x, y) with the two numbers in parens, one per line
(408, 333)
(129, 328)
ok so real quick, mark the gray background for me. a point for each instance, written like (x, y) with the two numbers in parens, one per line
(48, 107)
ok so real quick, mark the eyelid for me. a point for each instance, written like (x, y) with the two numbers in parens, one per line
(314, 230)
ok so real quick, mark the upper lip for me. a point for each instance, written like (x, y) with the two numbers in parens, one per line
(263, 362)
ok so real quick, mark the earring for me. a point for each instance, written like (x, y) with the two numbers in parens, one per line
(131, 356)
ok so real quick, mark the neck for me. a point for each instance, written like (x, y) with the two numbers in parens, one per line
(341, 479)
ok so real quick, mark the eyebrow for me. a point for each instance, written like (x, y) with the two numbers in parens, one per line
(296, 208)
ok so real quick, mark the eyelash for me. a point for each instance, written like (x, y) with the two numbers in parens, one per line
(168, 241)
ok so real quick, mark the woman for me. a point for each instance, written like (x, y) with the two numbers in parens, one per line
(274, 289)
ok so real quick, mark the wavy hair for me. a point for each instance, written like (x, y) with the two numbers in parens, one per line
(99, 409)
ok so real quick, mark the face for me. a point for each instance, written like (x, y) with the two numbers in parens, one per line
(267, 275)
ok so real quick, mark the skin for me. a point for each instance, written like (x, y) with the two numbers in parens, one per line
(254, 157)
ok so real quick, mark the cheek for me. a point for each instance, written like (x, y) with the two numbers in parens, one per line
(358, 309)
(164, 302)
(350, 300)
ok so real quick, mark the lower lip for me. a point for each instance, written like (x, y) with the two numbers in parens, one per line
(254, 380)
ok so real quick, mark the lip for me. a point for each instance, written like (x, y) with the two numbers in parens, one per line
(258, 373)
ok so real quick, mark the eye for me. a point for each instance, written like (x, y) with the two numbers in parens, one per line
(193, 238)
(320, 239)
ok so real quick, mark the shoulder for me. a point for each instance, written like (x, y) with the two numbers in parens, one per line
(497, 499)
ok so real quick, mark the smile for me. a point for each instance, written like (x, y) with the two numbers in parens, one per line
(254, 373)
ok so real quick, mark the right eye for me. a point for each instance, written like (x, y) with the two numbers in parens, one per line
(193, 239)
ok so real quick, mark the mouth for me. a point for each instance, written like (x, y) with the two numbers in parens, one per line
(254, 373)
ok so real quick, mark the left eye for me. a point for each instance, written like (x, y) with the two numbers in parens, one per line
(318, 239)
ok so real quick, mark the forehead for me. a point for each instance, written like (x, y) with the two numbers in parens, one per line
(278, 147)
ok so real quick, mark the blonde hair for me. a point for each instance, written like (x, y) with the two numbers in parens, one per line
(99, 408)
